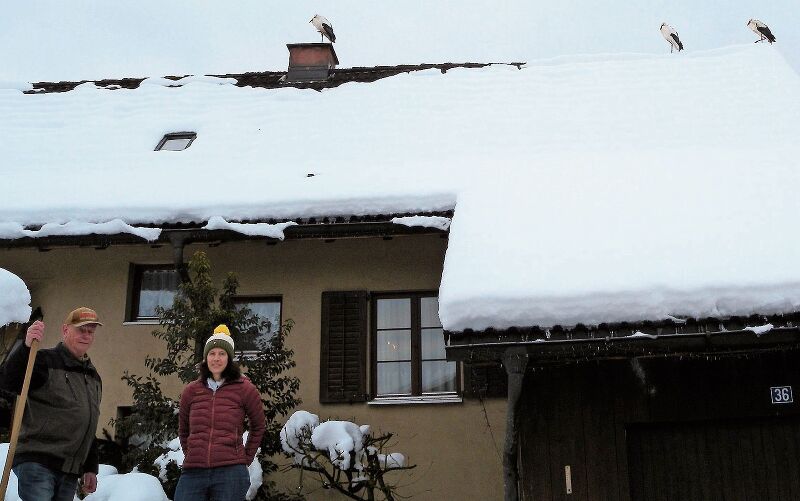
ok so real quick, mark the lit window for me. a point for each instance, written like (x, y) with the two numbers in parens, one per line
(176, 141)
(268, 310)
(409, 349)
(152, 286)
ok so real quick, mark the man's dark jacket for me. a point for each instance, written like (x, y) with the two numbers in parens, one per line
(62, 410)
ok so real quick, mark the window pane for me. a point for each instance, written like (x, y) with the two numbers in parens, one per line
(394, 377)
(438, 376)
(432, 344)
(177, 144)
(394, 345)
(158, 288)
(429, 307)
(267, 310)
(394, 313)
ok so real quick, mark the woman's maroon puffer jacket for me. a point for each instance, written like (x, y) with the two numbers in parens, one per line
(211, 424)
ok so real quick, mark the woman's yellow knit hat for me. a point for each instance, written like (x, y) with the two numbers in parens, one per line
(220, 339)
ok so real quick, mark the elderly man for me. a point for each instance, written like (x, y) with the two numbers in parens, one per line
(57, 439)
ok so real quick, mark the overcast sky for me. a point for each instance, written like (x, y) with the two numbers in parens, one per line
(87, 39)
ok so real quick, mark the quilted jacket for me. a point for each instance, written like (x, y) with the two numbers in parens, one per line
(211, 423)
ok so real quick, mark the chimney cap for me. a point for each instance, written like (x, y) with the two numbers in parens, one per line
(320, 47)
(310, 62)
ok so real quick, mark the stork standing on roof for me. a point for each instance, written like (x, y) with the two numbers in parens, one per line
(671, 36)
(761, 30)
(324, 27)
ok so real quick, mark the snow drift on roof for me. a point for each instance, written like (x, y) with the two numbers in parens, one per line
(689, 210)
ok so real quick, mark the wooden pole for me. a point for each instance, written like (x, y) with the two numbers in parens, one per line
(19, 410)
(515, 361)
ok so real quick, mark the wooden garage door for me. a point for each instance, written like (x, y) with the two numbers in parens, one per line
(754, 460)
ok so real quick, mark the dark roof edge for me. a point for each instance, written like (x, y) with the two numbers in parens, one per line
(668, 338)
(307, 228)
(273, 79)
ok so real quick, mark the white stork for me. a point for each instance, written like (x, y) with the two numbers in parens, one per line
(671, 36)
(761, 29)
(324, 27)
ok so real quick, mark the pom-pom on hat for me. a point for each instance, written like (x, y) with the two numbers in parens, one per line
(220, 339)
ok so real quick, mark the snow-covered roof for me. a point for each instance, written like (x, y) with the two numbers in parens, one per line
(586, 188)
(672, 192)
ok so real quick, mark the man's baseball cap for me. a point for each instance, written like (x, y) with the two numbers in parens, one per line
(82, 316)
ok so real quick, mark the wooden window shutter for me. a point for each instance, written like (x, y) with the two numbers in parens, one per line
(485, 381)
(343, 374)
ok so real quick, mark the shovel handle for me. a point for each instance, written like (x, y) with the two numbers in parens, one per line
(19, 410)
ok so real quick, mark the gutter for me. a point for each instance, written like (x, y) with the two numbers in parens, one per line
(735, 341)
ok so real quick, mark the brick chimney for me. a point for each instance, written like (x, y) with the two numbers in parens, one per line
(310, 62)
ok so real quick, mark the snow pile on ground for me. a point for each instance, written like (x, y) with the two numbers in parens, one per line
(111, 486)
(15, 299)
(303, 431)
(136, 486)
(127, 487)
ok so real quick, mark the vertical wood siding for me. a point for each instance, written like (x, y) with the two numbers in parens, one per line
(685, 429)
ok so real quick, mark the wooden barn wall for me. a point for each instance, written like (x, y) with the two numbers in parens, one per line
(578, 415)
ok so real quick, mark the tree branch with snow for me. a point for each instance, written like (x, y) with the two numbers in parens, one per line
(346, 457)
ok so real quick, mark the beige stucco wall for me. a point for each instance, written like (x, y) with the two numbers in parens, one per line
(456, 447)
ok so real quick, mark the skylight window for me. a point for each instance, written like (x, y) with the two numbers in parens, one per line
(176, 141)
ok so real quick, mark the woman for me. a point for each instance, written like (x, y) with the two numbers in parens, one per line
(212, 416)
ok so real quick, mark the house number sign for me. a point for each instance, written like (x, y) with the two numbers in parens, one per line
(781, 394)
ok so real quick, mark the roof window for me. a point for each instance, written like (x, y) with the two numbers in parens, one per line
(176, 141)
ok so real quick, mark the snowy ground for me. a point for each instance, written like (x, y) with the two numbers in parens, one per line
(337, 437)
(134, 486)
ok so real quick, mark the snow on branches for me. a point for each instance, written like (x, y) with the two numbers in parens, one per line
(348, 457)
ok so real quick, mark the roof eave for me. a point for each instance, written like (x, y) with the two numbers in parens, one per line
(194, 233)
(484, 347)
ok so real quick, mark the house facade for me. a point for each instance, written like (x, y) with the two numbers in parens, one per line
(615, 268)
(392, 273)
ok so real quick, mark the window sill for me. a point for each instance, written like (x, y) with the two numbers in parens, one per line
(141, 322)
(425, 399)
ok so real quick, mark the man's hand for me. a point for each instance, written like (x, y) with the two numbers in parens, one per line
(35, 331)
(89, 483)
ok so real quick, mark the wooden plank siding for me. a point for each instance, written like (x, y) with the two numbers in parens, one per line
(725, 469)
(662, 428)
